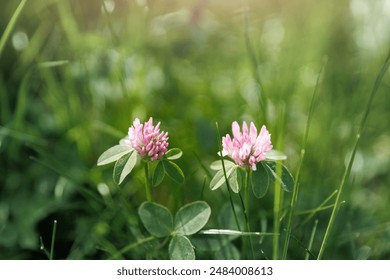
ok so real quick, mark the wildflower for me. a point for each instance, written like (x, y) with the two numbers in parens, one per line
(247, 148)
(147, 139)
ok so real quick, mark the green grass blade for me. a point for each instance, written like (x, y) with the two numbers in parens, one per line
(313, 233)
(43, 249)
(11, 25)
(21, 136)
(255, 69)
(294, 197)
(347, 171)
(234, 232)
(321, 206)
(315, 210)
(53, 239)
(131, 246)
(278, 192)
(51, 64)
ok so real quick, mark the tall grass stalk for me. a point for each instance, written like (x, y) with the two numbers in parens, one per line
(312, 212)
(114, 36)
(246, 207)
(254, 67)
(278, 192)
(50, 254)
(43, 248)
(294, 197)
(320, 207)
(69, 25)
(276, 210)
(347, 171)
(313, 233)
(11, 24)
(53, 239)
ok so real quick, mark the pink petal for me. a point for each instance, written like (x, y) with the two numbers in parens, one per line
(236, 130)
(253, 133)
(157, 127)
(244, 128)
(136, 122)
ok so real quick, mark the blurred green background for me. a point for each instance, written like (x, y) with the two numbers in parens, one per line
(75, 74)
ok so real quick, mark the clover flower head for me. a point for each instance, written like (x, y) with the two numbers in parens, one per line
(247, 147)
(147, 139)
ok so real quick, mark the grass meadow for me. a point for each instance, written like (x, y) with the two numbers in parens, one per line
(75, 74)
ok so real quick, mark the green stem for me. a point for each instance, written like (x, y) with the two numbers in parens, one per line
(337, 204)
(246, 207)
(277, 203)
(232, 205)
(278, 197)
(318, 208)
(109, 23)
(294, 197)
(132, 246)
(53, 238)
(147, 183)
(226, 179)
(315, 210)
(255, 69)
(347, 171)
(43, 248)
(11, 25)
(313, 233)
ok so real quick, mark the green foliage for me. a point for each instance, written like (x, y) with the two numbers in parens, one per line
(173, 171)
(260, 181)
(113, 154)
(180, 248)
(189, 219)
(219, 178)
(285, 179)
(74, 76)
(126, 159)
(173, 154)
(167, 167)
(158, 174)
(156, 219)
(237, 178)
(7, 32)
(124, 166)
